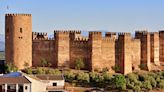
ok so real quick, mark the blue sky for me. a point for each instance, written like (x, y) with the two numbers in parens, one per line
(110, 15)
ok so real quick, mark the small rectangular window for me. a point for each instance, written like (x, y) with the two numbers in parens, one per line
(54, 84)
(26, 87)
(20, 30)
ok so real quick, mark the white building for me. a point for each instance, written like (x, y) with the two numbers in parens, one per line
(32, 83)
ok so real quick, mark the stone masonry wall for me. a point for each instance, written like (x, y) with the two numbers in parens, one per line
(43, 50)
(108, 53)
(79, 50)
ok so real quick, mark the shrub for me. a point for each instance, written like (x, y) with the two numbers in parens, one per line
(132, 77)
(40, 70)
(147, 85)
(44, 62)
(119, 81)
(129, 84)
(79, 63)
(106, 76)
(142, 66)
(29, 71)
(143, 77)
(10, 67)
(137, 88)
(69, 76)
(93, 76)
(158, 79)
(152, 81)
(53, 71)
(83, 77)
(116, 68)
(161, 84)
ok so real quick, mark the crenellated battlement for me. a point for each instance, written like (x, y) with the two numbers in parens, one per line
(95, 32)
(61, 31)
(75, 31)
(143, 32)
(124, 34)
(81, 39)
(44, 39)
(18, 14)
(161, 31)
(40, 33)
(152, 33)
(110, 33)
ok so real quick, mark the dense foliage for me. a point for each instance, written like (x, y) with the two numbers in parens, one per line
(79, 63)
(133, 81)
(137, 82)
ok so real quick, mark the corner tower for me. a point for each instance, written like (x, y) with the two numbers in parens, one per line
(18, 37)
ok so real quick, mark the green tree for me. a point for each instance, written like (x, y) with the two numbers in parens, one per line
(161, 84)
(79, 63)
(116, 68)
(142, 66)
(119, 81)
(40, 70)
(83, 77)
(29, 71)
(11, 67)
(69, 76)
(147, 85)
(53, 71)
(44, 62)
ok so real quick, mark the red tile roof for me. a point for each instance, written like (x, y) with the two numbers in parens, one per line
(14, 80)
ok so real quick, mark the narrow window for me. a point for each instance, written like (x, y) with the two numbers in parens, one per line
(7, 30)
(20, 30)
(26, 87)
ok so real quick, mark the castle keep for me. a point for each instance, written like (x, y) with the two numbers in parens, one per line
(97, 51)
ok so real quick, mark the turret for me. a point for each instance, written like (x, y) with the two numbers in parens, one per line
(144, 36)
(161, 46)
(62, 48)
(95, 39)
(18, 37)
(123, 53)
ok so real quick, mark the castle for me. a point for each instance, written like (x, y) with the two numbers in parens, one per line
(97, 51)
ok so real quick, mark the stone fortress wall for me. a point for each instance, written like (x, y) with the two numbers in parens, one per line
(97, 51)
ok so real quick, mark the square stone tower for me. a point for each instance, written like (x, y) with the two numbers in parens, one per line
(144, 36)
(123, 57)
(62, 48)
(161, 48)
(154, 44)
(95, 39)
